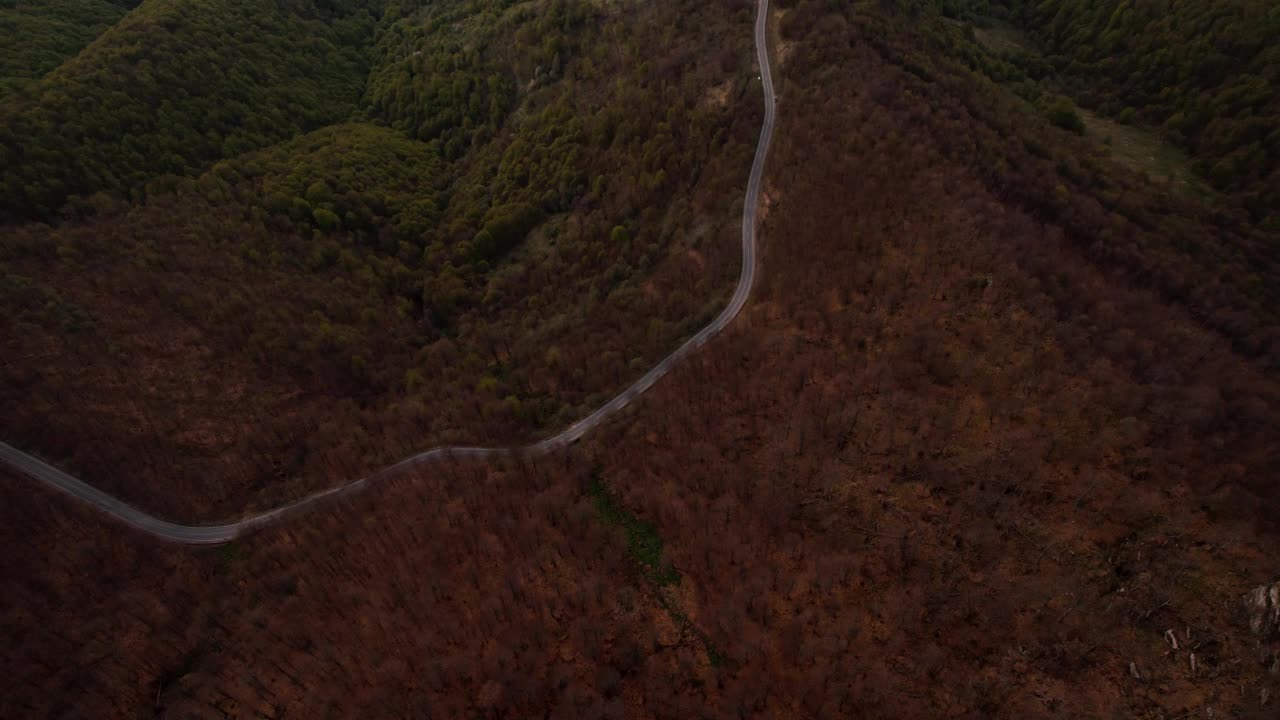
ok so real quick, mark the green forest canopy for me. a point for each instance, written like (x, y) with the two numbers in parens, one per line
(38, 35)
(1206, 73)
(173, 87)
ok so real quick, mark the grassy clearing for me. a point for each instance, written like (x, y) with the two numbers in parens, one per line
(1136, 148)
(1144, 151)
(643, 541)
(1002, 38)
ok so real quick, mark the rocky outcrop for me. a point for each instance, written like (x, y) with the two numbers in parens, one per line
(1262, 608)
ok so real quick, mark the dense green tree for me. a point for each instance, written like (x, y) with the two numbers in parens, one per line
(38, 35)
(1062, 112)
(173, 87)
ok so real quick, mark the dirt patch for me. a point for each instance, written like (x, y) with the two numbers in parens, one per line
(781, 48)
(769, 197)
(697, 259)
(717, 96)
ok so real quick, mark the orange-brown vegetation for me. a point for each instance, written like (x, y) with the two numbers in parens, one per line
(951, 462)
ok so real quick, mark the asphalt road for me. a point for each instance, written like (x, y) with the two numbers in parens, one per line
(216, 534)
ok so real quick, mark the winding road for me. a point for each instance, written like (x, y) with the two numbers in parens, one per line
(217, 534)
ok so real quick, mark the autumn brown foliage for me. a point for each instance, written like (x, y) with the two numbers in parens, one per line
(949, 462)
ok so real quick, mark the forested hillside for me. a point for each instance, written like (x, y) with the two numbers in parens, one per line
(38, 35)
(955, 459)
(482, 260)
(171, 88)
(1206, 73)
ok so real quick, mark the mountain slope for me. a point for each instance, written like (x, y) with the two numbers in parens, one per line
(361, 295)
(173, 87)
(1205, 73)
(951, 462)
(36, 37)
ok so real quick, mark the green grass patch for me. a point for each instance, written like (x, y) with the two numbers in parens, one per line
(645, 546)
(230, 553)
(1139, 149)
(714, 655)
(643, 541)
(1003, 38)
(1144, 151)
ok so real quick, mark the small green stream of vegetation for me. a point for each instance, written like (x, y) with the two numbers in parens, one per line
(645, 546)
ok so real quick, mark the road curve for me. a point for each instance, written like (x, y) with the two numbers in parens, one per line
(217, 534)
